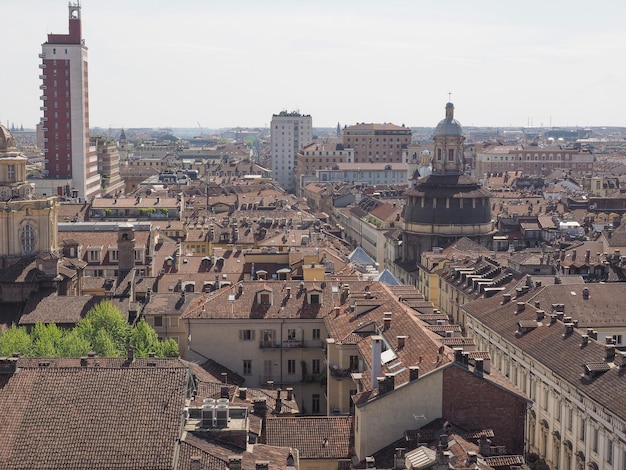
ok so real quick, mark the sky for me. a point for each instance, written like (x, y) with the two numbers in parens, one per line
(215, 64)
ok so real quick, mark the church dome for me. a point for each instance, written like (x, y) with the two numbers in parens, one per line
(449, 126)
(7, 141)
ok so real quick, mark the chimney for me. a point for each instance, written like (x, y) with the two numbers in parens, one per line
(195, 463)
(537, 304)
(289, 393)
(370, 462)
(506, 298)
(387, 321)
(569, 329)
(484, 446)
(458, 355)
(540, 315)
(587, 256)
(131, 354)
(443, 439)
(224, 392)
(8, 365)
(398, 458)
(585, 340)
(259, 406)
(574, 255)
(224, 377)
(472, 458)
(620, 359)
(401, 341)
(381, 384)
(414, 373)
(376, 360)
(262, 465)
(234, 462)
(520, 307)
(390, 382)
(479, 366)
(279, 405)
(585, 293)
(552, 318)
(270, 384)
(609, 352)
(243, 393)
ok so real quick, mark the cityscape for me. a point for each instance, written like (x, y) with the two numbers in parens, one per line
(300, 296)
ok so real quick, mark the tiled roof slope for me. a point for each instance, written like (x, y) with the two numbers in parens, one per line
(549, 345)
(112, 416)
(323, 437)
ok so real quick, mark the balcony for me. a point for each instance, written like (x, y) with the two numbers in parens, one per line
(42, 66)
(43, 108)
(42, 77)
(43, 87)
(337, 373)
(291, 343)
(42, 55)
(43, 97)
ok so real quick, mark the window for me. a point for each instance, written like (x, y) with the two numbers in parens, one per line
(316, 366)
(246, 335)
(158, 321)
(617, 339)
(546, 397)
(557, 413)
(570, 419)
(11, 172)
(450, 155)
(291, 366)
(28, 239)
(315, 403)
(316, 333)
(582, 429)
(354, 363)
(291, 334)
(247, 367)
(609, 451)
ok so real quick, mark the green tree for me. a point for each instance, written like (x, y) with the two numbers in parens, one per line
(144, 339)
(15, 340)
(103, 330)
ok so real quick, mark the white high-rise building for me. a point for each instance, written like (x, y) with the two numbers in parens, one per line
(71, 159)
(290, 132)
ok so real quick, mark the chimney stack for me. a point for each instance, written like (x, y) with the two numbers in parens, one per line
(224, 392)
(520, 307)
(131, 354)
(585, 340)
(262, 465)
(401, 341)
(506, 298)
(224, 377)
(609, 352)
(458, 355)
(376, 360)
(243, 393)
(479, 366)
(370, 462)
(289, 393)
(387, 320)
(234, 462)
(414, 373)
(195, 463)
(260, 406)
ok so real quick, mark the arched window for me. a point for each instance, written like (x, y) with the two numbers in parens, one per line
(28, 239)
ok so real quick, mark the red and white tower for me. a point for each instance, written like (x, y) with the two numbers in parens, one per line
(72, 163)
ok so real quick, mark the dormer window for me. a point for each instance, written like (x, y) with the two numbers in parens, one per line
(314, 296)
(264, 297)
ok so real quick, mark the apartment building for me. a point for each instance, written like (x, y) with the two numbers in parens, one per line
(376, 143)
(290, 132)
(531, 160)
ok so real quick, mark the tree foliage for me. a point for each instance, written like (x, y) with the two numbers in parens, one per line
(103, 331)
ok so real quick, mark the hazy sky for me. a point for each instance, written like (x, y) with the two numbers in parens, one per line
(229, 63)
